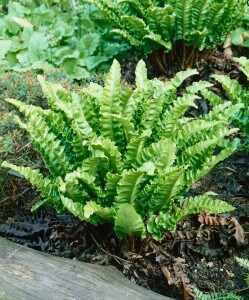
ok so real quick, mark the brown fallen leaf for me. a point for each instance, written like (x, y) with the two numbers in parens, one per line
(236, 232)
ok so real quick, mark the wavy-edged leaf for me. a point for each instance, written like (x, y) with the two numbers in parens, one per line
(141, 76)
(111, 104)
(181, 76)
(192, 176)
(167, 187)
(76, 208)
(106, 213)
(234, 90)
(126, 35)
(128, 222)
(135, 25)
(212, 98)
(157, 38)
(196, 87)
(161, 20)
(110, 151)
(162, 153)
(135, 147)
(193, 205)
(128, 186)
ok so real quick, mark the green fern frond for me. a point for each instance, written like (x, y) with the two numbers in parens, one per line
(243, 262)
(192, 205)
(128, 187)
(218, 296)
(45, 185)
(128, 222)
(234, 90)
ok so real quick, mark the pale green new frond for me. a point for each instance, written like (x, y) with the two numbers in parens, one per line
(162, 153)
(196, 87)
(151, 112)
(128, 187)
(24, 108)
(86, 181)
(181, 76)
(125, 124)
(91, 165)
(128, 222)
(53, 92)
(79, 123)
(106, 213)
(244, 65)
(111, 92)
(223, 112)
(212, 98)
(76, 208)
(180, 105)
(234, 90)
(141, 76)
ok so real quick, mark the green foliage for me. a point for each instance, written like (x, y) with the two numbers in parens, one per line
(43, 35)
(184, 27)
(126, 155)
(219, 296)
(237, 94)
(240, 36)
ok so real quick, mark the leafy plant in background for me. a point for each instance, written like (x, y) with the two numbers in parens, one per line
(226, 295)
(63, 34)
(186, 29)
(126, 156)
(237, 94)
(240, 36)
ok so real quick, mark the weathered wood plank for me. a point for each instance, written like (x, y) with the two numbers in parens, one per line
(29, 274)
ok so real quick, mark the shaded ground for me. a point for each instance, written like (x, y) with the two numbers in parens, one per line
(201, 252)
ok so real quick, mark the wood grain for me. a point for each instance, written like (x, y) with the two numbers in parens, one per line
(26, 274)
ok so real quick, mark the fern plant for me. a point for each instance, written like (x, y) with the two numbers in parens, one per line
(236, 93)
(126, 156)
(185, 28)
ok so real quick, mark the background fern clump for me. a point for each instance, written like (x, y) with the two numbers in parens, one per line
(237, 94)
(185, 28)
(126, 156)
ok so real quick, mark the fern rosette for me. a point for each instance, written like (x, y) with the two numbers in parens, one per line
(126, 155)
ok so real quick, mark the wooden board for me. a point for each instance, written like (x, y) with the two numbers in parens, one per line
(26, 274)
